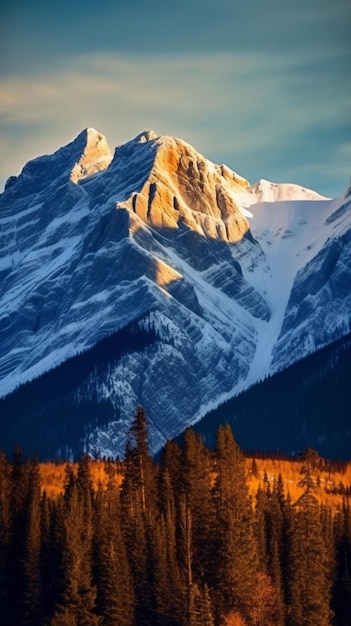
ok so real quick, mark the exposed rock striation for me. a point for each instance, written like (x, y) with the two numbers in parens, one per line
(220, 282)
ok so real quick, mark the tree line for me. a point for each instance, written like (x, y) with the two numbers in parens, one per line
(178, 542)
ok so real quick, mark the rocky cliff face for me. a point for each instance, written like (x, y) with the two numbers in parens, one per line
(183, 188)
(233, 282)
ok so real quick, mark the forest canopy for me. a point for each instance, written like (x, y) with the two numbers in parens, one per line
(200, 538)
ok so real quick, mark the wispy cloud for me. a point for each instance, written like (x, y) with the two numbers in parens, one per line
(245, 109)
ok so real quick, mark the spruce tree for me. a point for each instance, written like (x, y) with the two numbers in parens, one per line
(33, 590)
(309, 566)
(172, 459)
(275, 538)
(15, 577)
(169, 591)
(115, 595)
(236, 555)
(269, 533)
(74, 527)
(139, 512)
(139, 485)
(48, 555)
(196, 484)
(342, 582)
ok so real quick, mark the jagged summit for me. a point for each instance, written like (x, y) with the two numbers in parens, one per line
(87, 154)
(95, 154)
(146, 135)
(172, 184)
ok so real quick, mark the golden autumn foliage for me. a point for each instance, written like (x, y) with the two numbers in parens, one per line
(53, 475)
(330, 479)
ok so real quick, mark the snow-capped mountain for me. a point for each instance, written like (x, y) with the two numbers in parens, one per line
(230, 282)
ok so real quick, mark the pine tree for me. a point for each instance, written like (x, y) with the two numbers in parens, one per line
(275, 538)
(169, 591)
(186, 551)
(74, 527)
(139, 465)
(172, 459)
(15, 576)
(139, 550)
(236, 556)
(139, 513)
(285, 548)
(269, 532)
(309, 575)
(115, 596)
(200, 609)
(196, 484)
(48, 556)
(32, 599)
(342, 582)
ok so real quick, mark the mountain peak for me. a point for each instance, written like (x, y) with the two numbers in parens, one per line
(95, 154)
(267, 191)
(152, 273)
(87, 154)
(146, 135)
(178, 186)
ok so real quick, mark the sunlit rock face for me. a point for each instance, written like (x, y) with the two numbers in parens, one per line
(219, 281)
(96, 155)
(184, 188)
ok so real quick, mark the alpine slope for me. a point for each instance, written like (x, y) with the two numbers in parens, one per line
(229, 281)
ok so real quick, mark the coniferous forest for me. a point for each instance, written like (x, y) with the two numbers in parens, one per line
(178, 542)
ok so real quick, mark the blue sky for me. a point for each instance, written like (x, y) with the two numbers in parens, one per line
(264, 87)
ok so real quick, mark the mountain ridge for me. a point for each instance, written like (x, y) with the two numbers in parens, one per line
(237, 281)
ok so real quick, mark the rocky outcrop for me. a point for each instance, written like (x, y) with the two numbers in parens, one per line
(96, 156)
(184, 188)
